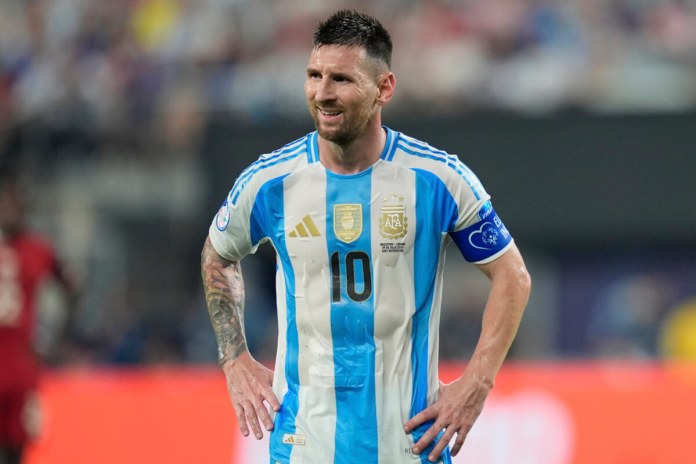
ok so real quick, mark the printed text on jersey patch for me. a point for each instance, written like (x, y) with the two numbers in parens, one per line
(393, 223)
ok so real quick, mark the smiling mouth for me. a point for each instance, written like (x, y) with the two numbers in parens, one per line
(329, 113)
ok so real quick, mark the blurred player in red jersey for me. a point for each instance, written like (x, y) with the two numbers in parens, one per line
(26, 261)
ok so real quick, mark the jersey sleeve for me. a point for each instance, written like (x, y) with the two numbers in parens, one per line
(231, 230)
(477, 231)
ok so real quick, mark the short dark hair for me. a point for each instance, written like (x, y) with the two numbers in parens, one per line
(349, 27)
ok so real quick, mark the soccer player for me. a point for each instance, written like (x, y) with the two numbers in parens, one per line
(26, 260)
(359, 216)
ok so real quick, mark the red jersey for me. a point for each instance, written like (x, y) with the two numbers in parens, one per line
(25, 261)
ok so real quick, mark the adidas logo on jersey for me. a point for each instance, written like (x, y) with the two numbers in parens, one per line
(306, 228)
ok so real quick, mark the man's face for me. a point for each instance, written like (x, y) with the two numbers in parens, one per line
(10, 211)
(341, 90)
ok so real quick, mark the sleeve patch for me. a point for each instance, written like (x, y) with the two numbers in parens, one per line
(483, 239)
(485, 210)
(222, 219)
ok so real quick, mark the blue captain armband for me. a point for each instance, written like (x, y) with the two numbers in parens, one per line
(484, 239)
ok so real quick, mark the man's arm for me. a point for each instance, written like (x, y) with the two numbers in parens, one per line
(66, 335)
(460, 402)
(224, 295)
(248, 382)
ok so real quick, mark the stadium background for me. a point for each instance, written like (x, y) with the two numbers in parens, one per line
(130, 119)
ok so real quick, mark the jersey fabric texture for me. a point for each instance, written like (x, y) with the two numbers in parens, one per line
(25, 261)
(359, 286)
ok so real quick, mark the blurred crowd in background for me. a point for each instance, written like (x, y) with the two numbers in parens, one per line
(105, 107)
(111, 66)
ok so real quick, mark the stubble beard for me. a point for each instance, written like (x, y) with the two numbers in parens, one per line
(346, 132)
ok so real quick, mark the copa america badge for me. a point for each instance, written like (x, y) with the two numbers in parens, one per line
(223, 217)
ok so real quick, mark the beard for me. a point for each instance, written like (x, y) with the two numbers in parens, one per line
(349, 129)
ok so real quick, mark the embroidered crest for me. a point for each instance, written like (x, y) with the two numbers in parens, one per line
(348, 222)
(393, 221)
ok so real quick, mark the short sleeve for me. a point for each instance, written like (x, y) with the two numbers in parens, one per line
(230, 231)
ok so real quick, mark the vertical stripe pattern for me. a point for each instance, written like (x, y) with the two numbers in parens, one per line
(284, 422)
(352, 316)
(425, 263)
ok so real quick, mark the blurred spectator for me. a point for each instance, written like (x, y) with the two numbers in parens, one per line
(26, 261)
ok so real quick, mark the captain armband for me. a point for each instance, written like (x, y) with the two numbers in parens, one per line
(484, 239)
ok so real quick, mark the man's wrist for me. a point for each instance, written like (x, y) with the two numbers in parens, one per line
(227, 358)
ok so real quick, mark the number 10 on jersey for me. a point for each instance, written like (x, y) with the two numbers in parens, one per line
(356, 265)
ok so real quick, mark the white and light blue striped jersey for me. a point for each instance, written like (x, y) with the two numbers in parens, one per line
(359, 285)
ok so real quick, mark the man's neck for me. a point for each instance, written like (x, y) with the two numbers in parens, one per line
(355, 157)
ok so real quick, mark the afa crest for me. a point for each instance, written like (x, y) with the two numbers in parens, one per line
(393, 221)
(348, 221)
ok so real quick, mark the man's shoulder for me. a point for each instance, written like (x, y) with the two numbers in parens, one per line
(420, 155)
(33, 246)
(434, 164)
(287, 158)
(295, 150)
(34, 240)
(270, 167)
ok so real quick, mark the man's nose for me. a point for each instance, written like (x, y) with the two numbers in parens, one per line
(325, 90)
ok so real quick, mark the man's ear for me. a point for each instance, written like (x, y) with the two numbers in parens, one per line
(385, 85)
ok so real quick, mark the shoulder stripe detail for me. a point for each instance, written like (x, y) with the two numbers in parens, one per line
(271, 156)
(312, 148)
(423, 150)
(424, 146)
(293, 144)
(390, 144)
(292, 151)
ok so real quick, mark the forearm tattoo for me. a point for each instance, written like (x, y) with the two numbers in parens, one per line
(224, 295)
